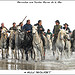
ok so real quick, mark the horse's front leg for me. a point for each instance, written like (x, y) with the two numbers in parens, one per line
(26, 53)
(22, 53)
(35, 51)
(42, 53)
(2, 54)
(6, 53)
(16, 53)
(33, 55)
(50, 48)
(57, 54)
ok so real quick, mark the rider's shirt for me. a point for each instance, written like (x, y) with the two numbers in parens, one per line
(56, 29)
(13, 28)
(67, 30)
(27, 27)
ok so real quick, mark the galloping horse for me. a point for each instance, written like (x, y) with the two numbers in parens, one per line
(37, 43)
(23, 42)
(49, 43)
(60, 44)
(19, 38)
(4, 43)
(12, 42)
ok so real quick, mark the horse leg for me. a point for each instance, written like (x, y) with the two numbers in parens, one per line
(6, 53)
(58, 54)
(26, 53)
(50, 48)
(35, 55)
(15, 54)
(69, 52)
(2, 54)
(12, 53)
(31, 54)
(23, 53)
(18, 54)
(42, 53)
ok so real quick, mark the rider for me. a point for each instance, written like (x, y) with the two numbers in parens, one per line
(2, 26)
(28, 28)
(14, 27)
(21, 25)
(66, 28)
(40, 31)
(68, 31)
(48, 32)
(56, 30)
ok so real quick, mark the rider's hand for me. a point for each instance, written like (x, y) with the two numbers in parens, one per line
(40, 28)
(29, 31)
(70, 33)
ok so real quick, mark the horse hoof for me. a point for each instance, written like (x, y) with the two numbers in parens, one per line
(6, 56)
(3, 57)
(57, 58)
(35, 61)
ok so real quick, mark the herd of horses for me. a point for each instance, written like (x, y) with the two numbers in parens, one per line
(23, 46)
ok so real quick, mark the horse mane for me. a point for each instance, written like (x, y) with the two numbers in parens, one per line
(61, 31)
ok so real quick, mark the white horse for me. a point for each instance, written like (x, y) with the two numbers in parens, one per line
(49, 42)
(4, 45)
(12, 43)
(37, 43)
(60, 44)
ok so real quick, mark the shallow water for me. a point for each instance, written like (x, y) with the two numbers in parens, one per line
(48, 64)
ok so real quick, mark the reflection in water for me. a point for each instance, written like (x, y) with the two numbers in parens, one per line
(5, 65)
(48, 64)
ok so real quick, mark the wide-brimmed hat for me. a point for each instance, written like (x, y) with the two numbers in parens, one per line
(14, 23)
(57, 21)
(65, 24)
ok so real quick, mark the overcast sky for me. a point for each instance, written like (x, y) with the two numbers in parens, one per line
(14, 12)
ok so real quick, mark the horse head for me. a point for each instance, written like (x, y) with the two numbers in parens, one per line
(48, 36)
(34, 29)
(61, 34)
(3, 30)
